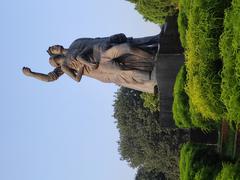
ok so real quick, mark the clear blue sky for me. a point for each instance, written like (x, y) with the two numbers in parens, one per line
(62, 130)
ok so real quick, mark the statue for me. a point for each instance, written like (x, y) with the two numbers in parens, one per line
(127, 62)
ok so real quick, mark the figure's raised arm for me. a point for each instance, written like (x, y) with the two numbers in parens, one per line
(51, 76)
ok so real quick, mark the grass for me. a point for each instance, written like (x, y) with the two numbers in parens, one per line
(230, 52)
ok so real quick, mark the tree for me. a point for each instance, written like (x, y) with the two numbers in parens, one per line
(156, 10)
(143, 174)
(142, 141)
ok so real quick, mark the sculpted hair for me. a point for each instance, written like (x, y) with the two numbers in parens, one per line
(49, 50)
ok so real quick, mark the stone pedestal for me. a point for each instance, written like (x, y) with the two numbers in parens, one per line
(169, 61)
(168, 66)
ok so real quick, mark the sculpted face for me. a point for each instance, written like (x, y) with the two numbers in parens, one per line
(56, 60)
(56, 49)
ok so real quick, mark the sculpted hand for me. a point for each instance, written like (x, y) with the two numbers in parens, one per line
(27, 71)
(91, 67)
(88, 65)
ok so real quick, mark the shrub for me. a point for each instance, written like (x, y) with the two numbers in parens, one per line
(198, 162)
(181, 112)
(151, 102)
(202, 57)
(230, 52)
(142, 141)
(199, 121)
(184, 8)
(156, 10)
(184, 114)
(229, 172)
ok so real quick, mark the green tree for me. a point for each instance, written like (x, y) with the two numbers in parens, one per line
(156, 10)
(142, 141)
(143, 174)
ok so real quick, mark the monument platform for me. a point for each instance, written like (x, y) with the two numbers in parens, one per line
(170, 58)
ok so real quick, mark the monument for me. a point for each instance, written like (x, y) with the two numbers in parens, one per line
(145, 64)
(118, 59)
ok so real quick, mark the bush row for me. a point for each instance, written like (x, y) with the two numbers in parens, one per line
(212, 42)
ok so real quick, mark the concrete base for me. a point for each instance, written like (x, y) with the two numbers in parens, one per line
(170, 58)
(167, 66)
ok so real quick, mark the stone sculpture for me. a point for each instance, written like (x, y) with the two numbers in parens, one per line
(118, 59)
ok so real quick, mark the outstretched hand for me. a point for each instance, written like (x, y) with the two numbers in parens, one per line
(27, 71)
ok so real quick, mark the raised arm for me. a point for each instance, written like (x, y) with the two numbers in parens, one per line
(51, 76)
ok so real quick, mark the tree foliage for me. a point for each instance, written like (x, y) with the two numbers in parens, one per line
(156, 10)
(184, 113)
(150, 101)
(229, 49)
(181, 107)
(143, 174)
(230, 172)
(142, 141)
(203, 64)
(199, 162)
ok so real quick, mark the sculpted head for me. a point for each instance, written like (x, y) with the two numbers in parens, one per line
(55, 50)
(56, 60)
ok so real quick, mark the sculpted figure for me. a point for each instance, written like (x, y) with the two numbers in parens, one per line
(116, 59)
